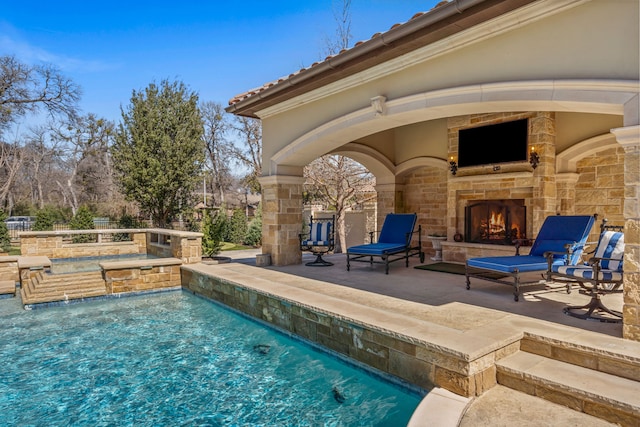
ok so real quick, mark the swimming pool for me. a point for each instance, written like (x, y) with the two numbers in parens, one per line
(177, 359)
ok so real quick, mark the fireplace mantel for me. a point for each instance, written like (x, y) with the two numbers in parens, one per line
(489, 176)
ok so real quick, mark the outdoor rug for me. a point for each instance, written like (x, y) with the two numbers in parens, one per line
(449, 267)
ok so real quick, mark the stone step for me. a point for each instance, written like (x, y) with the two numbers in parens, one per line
(46, 279)
(54, 297)
(43, 288)
(606, 396)
(604, 354)
(67, 287)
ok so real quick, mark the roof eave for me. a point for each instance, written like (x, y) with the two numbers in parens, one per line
(439, 23)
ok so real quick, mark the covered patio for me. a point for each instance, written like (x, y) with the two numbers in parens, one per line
(399, 104)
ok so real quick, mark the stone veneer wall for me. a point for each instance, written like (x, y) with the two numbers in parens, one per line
(600, 188)
(426, 194)
(184, 245)
(138, 275)
(55, 246)
(9, 269)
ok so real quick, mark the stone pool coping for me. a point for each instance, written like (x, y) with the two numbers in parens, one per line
(138, 263)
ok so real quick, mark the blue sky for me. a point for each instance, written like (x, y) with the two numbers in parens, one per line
(218, 48)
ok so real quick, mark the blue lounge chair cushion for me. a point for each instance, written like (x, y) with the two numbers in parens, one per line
(378, 249)
(319, 235)
(396, 227)
(512, 264)
(558, 230)
(586, 272)
(611, 249)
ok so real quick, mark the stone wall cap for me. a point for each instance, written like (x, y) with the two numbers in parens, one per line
(33, 261)
(139, 263)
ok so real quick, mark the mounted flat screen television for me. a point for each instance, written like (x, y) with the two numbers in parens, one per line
(492, 144)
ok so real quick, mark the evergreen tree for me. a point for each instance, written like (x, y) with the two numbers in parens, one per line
(83, 220)
(159, 152)
(237, 227)
(45, 219)
(254, 230)
(212, 228)
(5, 238)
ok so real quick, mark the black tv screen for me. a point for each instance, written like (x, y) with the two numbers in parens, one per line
(488, 145)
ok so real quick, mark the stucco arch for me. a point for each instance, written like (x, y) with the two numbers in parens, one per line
(584, 96)
(567, 160)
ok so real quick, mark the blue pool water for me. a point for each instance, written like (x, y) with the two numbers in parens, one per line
(84, 264)
(176, 359)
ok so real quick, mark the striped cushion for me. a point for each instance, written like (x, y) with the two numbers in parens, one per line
(611, 245)
(319, 235)
(586, 272)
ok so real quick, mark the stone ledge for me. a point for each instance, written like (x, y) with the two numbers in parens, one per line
(139, 263)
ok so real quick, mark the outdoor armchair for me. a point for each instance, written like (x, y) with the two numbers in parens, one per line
(601, 274)
(320, 239)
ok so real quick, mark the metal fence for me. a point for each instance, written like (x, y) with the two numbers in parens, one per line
(15, 229)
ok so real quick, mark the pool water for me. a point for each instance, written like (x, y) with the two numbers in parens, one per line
(177, 359)
(84, 264)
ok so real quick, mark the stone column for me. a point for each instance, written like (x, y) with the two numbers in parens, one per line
(629, 139)
(390, 200)
(566, 191)
(542, 137)
(282, 218)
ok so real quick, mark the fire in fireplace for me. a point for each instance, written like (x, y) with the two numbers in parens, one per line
(497, 222)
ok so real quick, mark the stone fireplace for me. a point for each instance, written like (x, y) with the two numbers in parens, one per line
(495, 222)
(488, 206)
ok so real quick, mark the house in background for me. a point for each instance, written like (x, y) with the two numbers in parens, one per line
(408, 104)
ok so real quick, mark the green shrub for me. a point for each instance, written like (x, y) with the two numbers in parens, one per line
(254, 231)
(83, 220)
(213, 225)
(45, 218)
(5, 238)
(237, 227)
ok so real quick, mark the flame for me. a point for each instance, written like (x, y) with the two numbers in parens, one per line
(496, 223)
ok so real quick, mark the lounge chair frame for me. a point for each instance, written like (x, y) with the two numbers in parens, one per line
(543, 254)
(317, 245)
(370, 253)
(602, 281)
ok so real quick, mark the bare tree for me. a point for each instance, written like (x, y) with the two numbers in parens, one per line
(342, 38)
(250, 153)
(25, 88)
(11, 159)
(341, 184)
(218, 148)
(86, 159)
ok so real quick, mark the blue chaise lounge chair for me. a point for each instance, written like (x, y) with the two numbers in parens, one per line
(561, 241)
(394, 243)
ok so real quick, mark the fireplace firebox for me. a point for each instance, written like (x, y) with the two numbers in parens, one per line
(497, 222)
